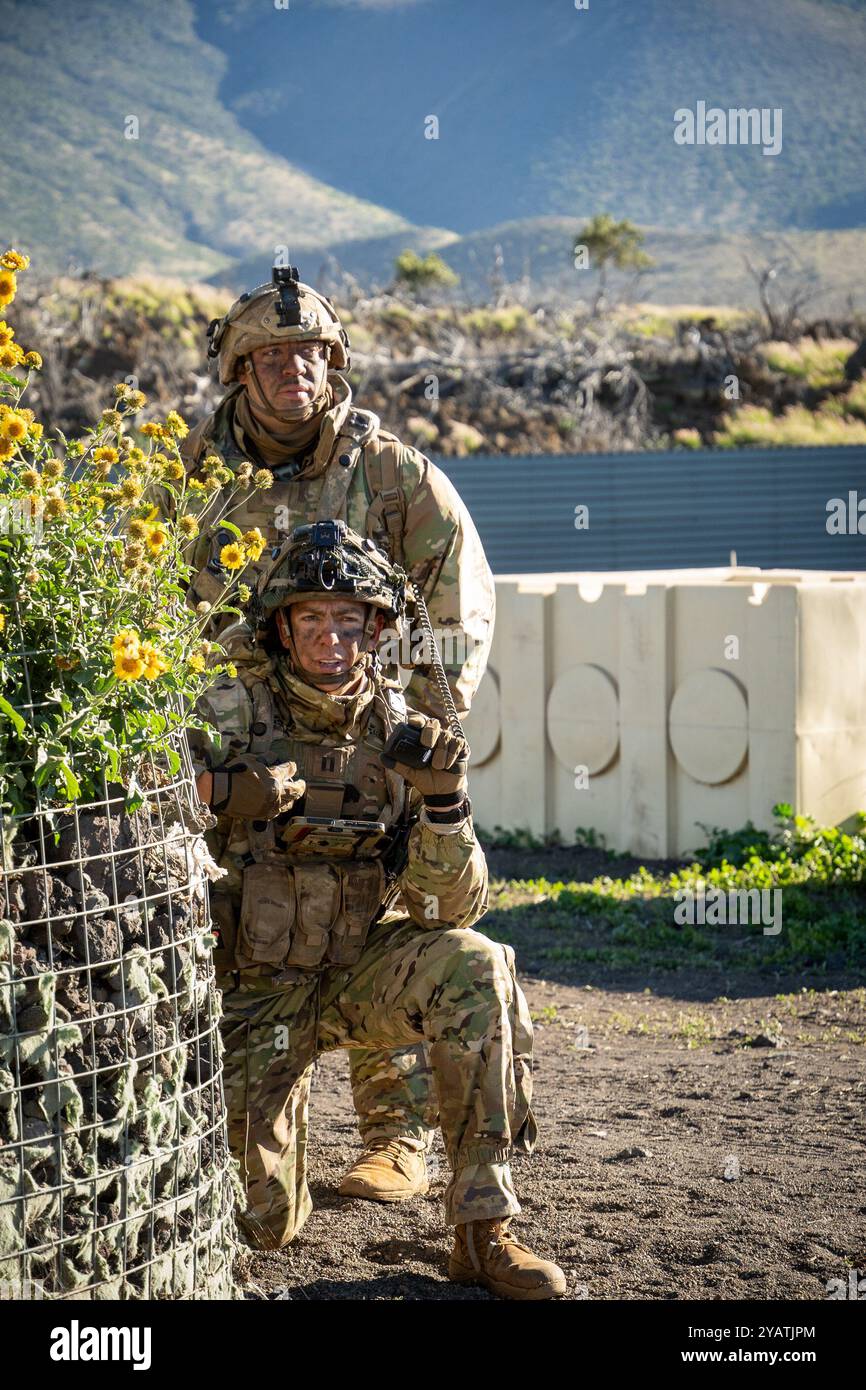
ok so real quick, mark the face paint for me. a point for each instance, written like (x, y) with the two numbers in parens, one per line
(325, 636)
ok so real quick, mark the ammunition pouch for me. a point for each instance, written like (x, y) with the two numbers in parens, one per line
(307, 915)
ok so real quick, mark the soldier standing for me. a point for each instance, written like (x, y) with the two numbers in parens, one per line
(281, 351)
(353, 879)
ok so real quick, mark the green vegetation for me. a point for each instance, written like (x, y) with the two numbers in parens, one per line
(819, 364)
(421, 274)
(834, 423)
(629, 921)
(611, 243)
(497, 323)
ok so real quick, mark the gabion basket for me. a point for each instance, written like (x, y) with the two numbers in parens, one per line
(116, 1180)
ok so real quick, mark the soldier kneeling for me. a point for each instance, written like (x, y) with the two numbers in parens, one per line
(345, 915)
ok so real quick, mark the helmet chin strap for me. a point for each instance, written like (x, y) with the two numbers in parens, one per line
(265, 404)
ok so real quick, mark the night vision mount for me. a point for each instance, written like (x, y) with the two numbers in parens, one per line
(286, 279)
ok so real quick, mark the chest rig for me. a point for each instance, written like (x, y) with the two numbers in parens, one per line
(291, 502)
(318, 877)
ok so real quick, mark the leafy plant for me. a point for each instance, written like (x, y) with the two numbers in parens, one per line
(101, 656)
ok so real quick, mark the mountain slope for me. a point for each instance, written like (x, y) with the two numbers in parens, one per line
(193, 192)
(545, 109)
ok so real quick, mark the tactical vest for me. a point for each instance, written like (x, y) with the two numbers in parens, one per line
(291, 503)
(315, 879)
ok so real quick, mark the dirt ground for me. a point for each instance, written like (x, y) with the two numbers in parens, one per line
(690, 1148)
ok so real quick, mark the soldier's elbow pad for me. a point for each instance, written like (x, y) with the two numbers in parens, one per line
(247, 789)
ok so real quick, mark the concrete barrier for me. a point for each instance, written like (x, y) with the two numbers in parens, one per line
(645, 704)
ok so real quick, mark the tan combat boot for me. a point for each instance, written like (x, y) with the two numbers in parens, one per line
(388, 1171)
(486, 1253)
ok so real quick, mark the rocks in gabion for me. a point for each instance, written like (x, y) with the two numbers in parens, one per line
(116, 1180)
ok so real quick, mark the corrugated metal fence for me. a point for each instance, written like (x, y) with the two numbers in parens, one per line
(664, 510)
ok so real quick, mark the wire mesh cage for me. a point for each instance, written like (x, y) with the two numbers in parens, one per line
(116, 1180)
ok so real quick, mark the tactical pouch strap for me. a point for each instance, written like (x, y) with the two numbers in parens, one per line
(388, 502)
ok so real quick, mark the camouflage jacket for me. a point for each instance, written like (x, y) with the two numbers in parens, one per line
(384, 489)
(302, 895)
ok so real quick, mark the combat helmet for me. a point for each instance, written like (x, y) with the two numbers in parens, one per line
(283, 310)
(328, 559)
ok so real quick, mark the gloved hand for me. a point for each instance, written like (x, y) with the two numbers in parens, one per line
(249, 789)
(445, 774)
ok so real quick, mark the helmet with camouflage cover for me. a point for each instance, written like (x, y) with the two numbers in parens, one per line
(328, 559)
(285, 310)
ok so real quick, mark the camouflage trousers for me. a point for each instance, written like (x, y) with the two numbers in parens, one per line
(455, 990)
(394, 1095)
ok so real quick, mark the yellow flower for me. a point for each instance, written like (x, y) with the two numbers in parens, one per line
(211, 462)
(125, 640)
(35, 431)
(154, 663)
(112, 418)
(75, 449)
(157, 539)
(128, 666)
(255, 543)
(136, 400)
(7, 449)
(195, 485)
(33, 360)
(231, 670)
(55, 507)
(52, 468)
(263, 478)
(130, 490)
(10, 356)
(196, 662)
(173, 470)
(97, 502)
(232, 557)
(105, 455)
(188, 526)
(8, 286)
(245, 593)
(152, 430)
(14, 427)
(212, 484)
(6, 333)
(30, 478)
(2, 621)
(176, 425)
(138, 529)
(13, 260)
(132, 555)
(134, 455)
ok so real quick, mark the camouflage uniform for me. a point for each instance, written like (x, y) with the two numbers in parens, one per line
(387, 490)
(327, 971)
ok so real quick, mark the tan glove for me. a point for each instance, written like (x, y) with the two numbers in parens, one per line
(445, 774)
(250, 790)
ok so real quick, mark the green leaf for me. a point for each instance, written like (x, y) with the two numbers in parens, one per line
(70, 781)
(173, 760)
(230, 526)
(18, 722)
(12, 380)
